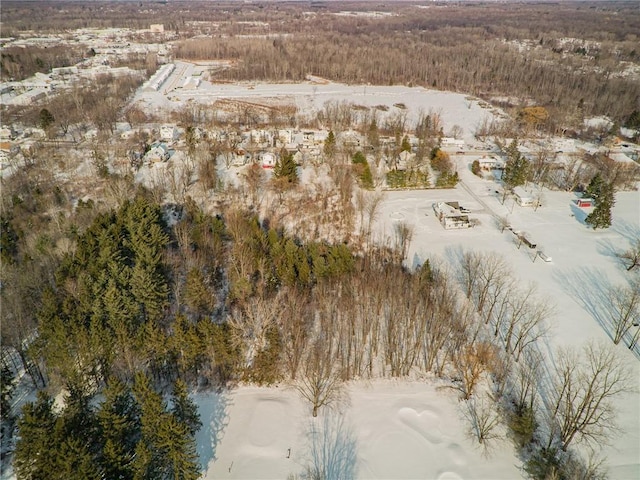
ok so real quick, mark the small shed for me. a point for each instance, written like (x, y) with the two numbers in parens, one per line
(584, 202)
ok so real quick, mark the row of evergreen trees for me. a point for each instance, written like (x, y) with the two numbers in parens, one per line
(133, 433)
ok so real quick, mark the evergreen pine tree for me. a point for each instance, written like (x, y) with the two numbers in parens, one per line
(603, 196)
(78, 419)
(75, 461)
(596, 188)
(286, 168)
(149, 289)
(373, 136)
(634, 120)
(362, 170)
(600, 217)
(33, 457)
(150, 461)
(179, 451)
(46, 119)
(197, 296)
(406, 146)
(119, 420)
(516, 168)
(184, 409)
(330, 145)
(7, 383)
(186, 347)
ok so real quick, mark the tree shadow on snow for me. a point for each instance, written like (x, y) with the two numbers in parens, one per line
(213, 407)
(629, 230)
(611, 249)
(579, 214)
(333, 447)
(590, 288)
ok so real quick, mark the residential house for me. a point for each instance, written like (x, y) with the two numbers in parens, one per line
(159, 152)
(268, 159)
(490, 163)
(524, 198)
(351, 139)
(5, 132)
(450, 216)
(240, 157)
(285, 136)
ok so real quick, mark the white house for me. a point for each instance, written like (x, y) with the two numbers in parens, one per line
(524, 198)
(168, 133)
(450, 216)
(450, 142)
(285, 135)
(159, 152)
(268, 160)
(351, 138)
(490, 163)
(5, 132)
(29, 97)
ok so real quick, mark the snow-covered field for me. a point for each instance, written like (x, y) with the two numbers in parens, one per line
(386, 430)
(454, 108)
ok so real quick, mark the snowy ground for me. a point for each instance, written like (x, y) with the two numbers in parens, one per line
(387, 430)
(393, 430)
(582, 269)
(454, 108)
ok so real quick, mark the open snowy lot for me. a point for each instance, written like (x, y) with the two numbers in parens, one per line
(454, 108)
(385, 430)
(582, 269)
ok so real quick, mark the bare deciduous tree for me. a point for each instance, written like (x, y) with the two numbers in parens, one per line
(294, 321)
(631, 256)
(321, 382)
(502, 223)
(251, 323)
(470, 266)
(404, 233)
(624, 309)
(483, 419)
(582, 393)
(492, 272)
(470, 362)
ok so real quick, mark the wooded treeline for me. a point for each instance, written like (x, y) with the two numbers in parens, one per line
(568, 57)
(458, 59)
